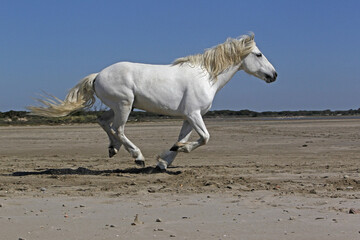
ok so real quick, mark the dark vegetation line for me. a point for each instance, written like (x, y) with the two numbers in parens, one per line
(23, 117)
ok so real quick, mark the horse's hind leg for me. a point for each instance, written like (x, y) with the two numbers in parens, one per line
(105, 122)
(122, 113)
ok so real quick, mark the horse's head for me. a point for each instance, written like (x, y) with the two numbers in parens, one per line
(256, 64)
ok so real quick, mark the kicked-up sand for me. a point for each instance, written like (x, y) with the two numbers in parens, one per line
(255, 179)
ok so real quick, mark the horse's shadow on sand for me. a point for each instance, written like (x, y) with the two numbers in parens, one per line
(86, 171)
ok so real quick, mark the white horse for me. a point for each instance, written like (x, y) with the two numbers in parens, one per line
(185, 88)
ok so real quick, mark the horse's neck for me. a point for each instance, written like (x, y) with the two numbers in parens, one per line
(225, 77)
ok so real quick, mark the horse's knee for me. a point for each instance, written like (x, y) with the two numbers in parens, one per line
(205, 139)
(122, 137)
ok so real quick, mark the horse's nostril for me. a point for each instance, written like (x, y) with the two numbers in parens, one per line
(275, 75)
(267, 76)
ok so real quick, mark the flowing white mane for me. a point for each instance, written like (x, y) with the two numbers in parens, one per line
(219, 58)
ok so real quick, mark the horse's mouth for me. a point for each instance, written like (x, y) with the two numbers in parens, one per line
(270, 80)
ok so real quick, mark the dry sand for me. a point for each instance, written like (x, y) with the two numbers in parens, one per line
(256, 179)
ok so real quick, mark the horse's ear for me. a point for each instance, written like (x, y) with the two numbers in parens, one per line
(251, 35)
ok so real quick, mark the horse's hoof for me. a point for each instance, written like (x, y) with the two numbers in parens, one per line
(162, 164)
(112, 152)
(174, 148)
(157, 169)
(140, 163)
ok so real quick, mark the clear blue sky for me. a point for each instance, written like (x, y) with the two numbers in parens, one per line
(314, 45)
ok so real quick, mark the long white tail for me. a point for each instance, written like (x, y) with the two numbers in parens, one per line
(80, 96)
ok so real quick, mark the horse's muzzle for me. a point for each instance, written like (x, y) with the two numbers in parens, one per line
(269, 78)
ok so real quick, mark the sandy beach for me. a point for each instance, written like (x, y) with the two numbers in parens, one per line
(255, 179)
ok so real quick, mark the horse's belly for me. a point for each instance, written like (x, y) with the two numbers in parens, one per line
(155, 105)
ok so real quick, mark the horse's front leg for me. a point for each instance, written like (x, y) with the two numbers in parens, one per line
(196, 122)
(167, 157)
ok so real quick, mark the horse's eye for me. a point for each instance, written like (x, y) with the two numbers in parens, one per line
(258, 54)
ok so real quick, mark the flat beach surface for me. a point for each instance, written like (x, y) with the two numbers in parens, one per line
(256, 179)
